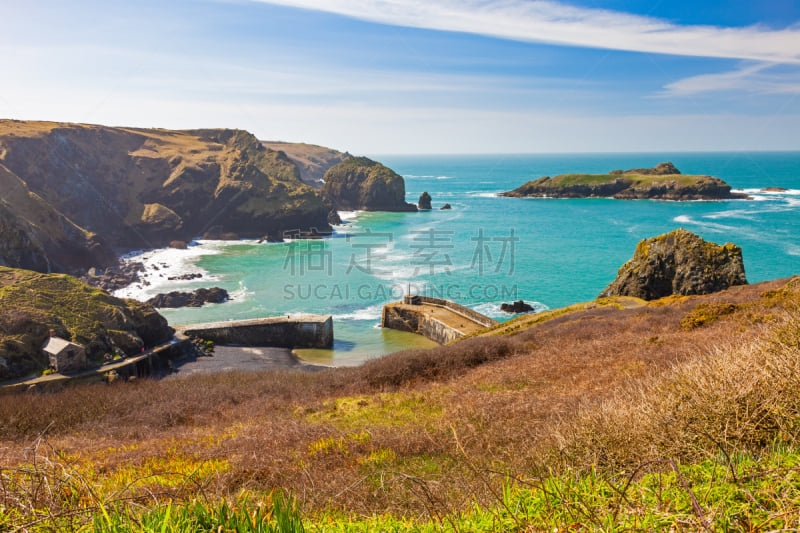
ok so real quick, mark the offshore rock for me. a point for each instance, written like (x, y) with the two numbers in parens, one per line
(358, 183)
(446, 206)
(517, 307)
(678, 262)
(214, 295)
(424, 201)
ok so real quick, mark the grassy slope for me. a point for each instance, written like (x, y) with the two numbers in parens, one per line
(635, 179)
(538, 429)
(31, 304)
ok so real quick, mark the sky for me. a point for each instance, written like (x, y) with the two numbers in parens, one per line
(417, 76)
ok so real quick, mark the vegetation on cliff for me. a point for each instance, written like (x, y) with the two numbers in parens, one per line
(600, 418)
(36, 236)
(678, 262)
(34, 304)
(363, 184)
(664, 182)
(312, 160)
(133, 188)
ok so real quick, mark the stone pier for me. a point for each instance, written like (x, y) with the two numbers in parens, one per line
(437, 319)
(306, 331)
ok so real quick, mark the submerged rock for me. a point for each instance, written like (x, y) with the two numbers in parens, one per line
(197, 298)
(424, 201)
(517, 307)
(678, 262)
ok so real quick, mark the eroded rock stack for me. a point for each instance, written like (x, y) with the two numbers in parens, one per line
(678, 262)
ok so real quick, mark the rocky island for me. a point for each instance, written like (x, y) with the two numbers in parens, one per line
(663, 182)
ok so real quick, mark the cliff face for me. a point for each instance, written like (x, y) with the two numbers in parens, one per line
(363, 184)
(32, 304)
(134, 188)
(36, 236)
(313, 161)
(678, 262)
(664, 182)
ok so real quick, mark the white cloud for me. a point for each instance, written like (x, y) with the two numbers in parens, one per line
(553, 22)
(749, 78)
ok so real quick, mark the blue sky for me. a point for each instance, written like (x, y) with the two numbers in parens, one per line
(416, 76)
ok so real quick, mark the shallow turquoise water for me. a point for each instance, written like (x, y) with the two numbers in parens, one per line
(487, 249)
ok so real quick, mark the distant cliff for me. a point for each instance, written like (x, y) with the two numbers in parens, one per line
(99, 187)
(33, 304)
(313, 161)
(664, 182)
(678, 262)
(363, 184)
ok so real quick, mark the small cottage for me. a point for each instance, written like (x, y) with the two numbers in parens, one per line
(65, 356)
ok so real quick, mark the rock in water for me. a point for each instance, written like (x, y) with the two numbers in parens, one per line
(215, 295)
(424, 201)
(446, 206)
(359, 183)
(678, 262)
(517, 307)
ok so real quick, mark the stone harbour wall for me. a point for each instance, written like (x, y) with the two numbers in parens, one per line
(308, 331)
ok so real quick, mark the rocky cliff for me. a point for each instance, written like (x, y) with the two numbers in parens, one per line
(36, 236)
(678, 262)
(131, 188)
(32, 304)
(313, 161)
(664, 182)
(362, 184)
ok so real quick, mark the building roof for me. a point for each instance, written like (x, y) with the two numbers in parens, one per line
(56, 345)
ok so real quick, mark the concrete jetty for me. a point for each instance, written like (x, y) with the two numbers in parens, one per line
(305, 331)
(438, 319)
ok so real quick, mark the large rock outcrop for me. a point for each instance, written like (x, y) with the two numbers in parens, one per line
(359, 183)
(130, 188)
(678, 262)
(34, 304)
(663, 182)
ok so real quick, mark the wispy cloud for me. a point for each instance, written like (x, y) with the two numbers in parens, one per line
(553, 22)
(750, 78)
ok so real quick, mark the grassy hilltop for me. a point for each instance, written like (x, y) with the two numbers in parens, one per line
(679, 413)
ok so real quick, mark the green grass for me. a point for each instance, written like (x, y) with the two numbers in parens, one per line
(634, 179)
(743, 492)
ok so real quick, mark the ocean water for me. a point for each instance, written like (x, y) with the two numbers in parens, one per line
(485, 250)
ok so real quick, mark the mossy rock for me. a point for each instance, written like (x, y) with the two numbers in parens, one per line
(681, 263)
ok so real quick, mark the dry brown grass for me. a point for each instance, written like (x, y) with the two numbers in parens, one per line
(425, 429)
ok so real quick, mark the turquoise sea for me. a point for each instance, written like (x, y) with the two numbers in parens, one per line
(486, 249)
